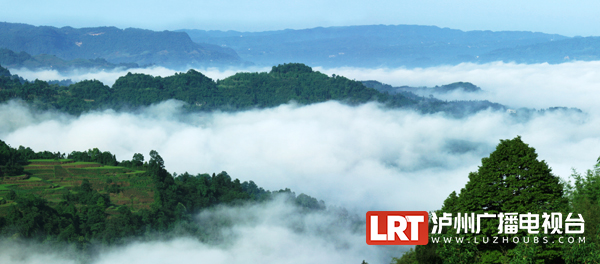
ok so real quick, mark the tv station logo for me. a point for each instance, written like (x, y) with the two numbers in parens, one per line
(397, 227)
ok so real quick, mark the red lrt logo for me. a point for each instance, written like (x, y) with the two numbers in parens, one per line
(397, 228)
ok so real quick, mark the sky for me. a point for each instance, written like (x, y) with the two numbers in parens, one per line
(573, 18)
(360, 158)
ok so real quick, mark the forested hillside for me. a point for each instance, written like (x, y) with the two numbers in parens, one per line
(513, 179)
(284, 83)
(86, 198)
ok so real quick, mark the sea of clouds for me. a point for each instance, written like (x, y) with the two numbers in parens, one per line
(361, 158)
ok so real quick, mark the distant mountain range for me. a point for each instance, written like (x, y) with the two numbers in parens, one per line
(166, 48)
(565, 50)
(383, 46)
(11, 59)
(354, 46)
(423, 91)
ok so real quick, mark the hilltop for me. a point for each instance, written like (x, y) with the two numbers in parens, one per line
(242, 91)
(89, 197)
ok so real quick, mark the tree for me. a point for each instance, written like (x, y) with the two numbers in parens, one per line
(511, 179)
(584, 196)
(137, 160)
(409, 257)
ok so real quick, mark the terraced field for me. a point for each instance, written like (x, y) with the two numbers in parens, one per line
(51, 179)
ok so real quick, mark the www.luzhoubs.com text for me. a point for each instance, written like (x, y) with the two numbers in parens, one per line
(506, 240)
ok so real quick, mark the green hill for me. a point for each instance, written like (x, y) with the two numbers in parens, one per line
(91, 198)
(53, 180)
(242, 91)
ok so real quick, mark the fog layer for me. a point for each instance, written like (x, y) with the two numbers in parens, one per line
(362, 158)
(273, 232)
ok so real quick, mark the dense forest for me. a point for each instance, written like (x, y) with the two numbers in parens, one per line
(512, 179)
(89, 198)
(242, 91)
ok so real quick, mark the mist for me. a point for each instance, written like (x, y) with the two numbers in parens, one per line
(272, 232)
(361, 158)
(572, 84)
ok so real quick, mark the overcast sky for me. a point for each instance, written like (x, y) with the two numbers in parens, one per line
(549, 16)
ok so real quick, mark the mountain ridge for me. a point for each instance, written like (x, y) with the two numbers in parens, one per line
(369, 45)
(130, 45)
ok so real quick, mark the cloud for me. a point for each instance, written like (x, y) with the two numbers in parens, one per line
(272, 232)
(572, 84)
(361, 158)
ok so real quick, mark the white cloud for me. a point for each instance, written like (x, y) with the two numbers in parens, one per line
(351, 156)
(273, 232)
(544, 85)
(362, 158)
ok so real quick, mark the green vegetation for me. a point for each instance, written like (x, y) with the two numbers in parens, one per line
(512, 179)
(242, 91)
(90, 198)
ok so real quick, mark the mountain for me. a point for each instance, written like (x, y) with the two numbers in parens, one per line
(131, 45)
(242, 91)
(578, 48)
(89, 198)
(11, 59)
(369, 46)
(424, 91)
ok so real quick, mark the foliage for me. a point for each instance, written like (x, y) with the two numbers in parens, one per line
(409, 257)
(584, 196)
(93, 211)
(285, 83)
(94, 155)
(455, 253)
(511, 179)
(288, 82)
(582, 253)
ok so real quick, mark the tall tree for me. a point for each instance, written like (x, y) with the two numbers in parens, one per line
(510, 180)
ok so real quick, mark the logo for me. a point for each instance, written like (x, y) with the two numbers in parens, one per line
(397, 227)
(510, 223)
